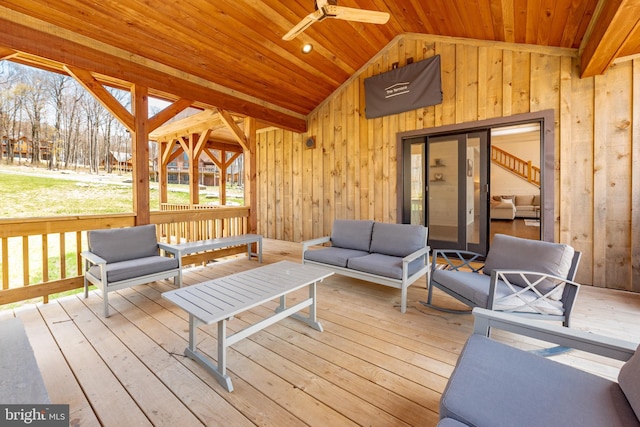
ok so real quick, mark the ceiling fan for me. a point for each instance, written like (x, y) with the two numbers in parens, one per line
(330, 9)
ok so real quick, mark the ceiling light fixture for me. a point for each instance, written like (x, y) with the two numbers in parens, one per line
(307, 48)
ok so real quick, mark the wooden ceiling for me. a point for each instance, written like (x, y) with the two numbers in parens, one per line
(230, 53)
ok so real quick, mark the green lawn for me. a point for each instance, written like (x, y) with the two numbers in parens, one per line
(33, 192)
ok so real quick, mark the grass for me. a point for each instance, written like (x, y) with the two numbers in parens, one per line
(36, 192)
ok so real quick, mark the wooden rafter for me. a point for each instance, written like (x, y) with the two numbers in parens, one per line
(234, 128)
(86, 79)
(616, 22)
(6, 53)
(170, 111)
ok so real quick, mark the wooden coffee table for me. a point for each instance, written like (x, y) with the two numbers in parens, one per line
(216, 301)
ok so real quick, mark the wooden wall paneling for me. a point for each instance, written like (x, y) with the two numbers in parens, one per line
(287, 199)
(521, 70)
(271, 184)
(447, 114)
(494, 83)
(278, 191)
(600, 183)
(317, 171)
(635, 179)
(352, 178)
(329, 159)
(297, 169)
(363, 150)
(261, 177)
(618, 121)
(307, 181)
(577, 200)
(426, 116)
(340, 160)
(507, 83)
(482, 90)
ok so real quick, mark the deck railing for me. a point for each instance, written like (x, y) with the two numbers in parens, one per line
(41, 256)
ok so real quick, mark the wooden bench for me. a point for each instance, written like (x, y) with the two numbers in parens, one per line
(20, 378)
(180, 250)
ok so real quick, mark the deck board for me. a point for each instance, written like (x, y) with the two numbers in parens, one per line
(372, 365)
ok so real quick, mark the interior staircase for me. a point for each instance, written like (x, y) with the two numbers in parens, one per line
(523, 168)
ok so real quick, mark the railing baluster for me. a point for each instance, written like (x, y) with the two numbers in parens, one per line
(25, 260)
(45, 263)
(63, 257)
(5, 263)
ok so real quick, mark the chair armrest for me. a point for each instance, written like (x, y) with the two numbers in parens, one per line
(314, 242)
(93, 258)
(457, 259)
(415, 255)
(580, 340)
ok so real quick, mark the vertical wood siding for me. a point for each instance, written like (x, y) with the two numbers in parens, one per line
(352, 172)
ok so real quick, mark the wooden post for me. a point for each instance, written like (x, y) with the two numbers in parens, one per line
(194, 175)
(162, 173)
(250, 185)
(140, 151)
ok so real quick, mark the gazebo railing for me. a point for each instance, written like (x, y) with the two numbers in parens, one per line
(41, 256)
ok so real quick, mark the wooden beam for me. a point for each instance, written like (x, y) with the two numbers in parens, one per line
(6, 53)
(163, 181)
(86, 79)
(140, 151)
(194, 173)
(123, 65)
(617, 20)
(234, 128)
(170, 111)
(250, 174)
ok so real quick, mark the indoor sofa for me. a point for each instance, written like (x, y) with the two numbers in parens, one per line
(394, 255)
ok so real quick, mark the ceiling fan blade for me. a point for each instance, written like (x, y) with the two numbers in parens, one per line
(358, 15)
(302, 25)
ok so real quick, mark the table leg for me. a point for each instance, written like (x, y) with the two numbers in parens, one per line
(312, 319)
(220, 371)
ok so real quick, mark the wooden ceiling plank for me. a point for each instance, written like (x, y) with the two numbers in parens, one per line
(161, 78)
(234, 128)
(108, 101)
(168, 112)
(617, 21)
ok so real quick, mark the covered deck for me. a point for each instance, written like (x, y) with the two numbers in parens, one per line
(370, 366)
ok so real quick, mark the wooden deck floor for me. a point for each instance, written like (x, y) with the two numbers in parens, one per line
(370, 366)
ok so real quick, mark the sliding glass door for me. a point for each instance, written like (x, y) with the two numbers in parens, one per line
(448, 189)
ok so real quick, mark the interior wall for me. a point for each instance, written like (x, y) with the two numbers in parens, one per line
(352, 171)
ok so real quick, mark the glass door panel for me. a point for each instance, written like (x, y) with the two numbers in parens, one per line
(443, 191)
(417, 184)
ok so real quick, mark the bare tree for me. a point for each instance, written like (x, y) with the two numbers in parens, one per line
(34, 104)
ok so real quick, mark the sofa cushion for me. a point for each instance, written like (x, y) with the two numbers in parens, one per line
(475, 288)
(352, 234)
(450, 422)
(121, 244)
(629, 380)
(383, 265)
(333, 255)
(494, 384)
(397, 239)
(514, 253)
(524, 200)
(123, 270)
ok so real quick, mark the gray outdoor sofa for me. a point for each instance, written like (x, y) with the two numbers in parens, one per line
(394, 255)
(494, 384)
(122, 257)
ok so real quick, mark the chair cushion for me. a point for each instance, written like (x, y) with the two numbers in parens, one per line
(384, 265)
(352, 234)
(629, 380)
(397, 239)
(494, 384)
(475, 288)
(515, 253)
(124, 270)
(121, 244)
(333, 255)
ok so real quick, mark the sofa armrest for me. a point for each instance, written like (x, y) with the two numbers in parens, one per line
(314, 242)
(415, 255)
(580, 340)
(93, 258)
